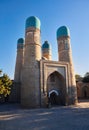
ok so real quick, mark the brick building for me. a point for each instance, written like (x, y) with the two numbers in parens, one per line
(38, 79)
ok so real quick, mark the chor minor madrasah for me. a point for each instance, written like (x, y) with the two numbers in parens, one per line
(38, 79)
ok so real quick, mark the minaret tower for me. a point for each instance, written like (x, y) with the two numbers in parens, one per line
(30, 89)
(65, 55)
(19, 60)
(18, 70)
(46, 50)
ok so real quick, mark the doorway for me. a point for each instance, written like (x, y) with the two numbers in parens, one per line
(54, 98)
(56, 89)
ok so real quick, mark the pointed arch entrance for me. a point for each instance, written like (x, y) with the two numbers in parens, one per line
(53, 97)
(56, 89)
(85, 92)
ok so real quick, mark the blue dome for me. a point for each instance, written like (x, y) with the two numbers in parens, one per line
(20, 40)
(46, 45)
(63, 31)
(20, 43)
(33, 22)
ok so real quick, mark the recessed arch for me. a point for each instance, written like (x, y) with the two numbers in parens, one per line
(53, 91)
(85, 92)
(56, 88)
(57, 72)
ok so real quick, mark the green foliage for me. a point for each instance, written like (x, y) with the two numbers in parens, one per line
(78, 77)
(86, 78)
(0, 72)
(5, 85)
(87, 74)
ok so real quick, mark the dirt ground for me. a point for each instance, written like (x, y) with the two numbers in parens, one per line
(12, 117)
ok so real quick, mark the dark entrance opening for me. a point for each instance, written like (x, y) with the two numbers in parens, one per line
(85, 94)
(56, 89)
(53, 98)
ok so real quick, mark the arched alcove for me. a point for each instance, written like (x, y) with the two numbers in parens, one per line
(85, 92)
(56, 88)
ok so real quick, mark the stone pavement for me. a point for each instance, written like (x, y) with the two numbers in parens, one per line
(12, 117)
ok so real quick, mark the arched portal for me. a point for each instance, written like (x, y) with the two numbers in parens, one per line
(85, 92)
(53, 91)
(56, 89)
(53, 97)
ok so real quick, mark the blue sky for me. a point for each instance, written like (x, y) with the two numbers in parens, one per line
(52, 14)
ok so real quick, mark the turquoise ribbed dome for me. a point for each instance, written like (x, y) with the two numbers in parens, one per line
(20, 43)
(33, 22)
(63, 31)
(46, 45)
(20, 40)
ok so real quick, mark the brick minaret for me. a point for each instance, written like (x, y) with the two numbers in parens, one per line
(18, 70)
(65, 55)
(30, 89)
(46, 50)
(19, 60)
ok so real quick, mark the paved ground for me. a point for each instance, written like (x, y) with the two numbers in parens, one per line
(12, 117)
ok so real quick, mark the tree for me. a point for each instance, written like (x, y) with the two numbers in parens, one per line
(87, 74)
(78, 77)
(5, 85)
(86, 78)
(0, 72)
